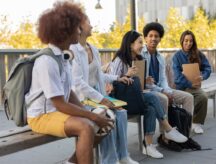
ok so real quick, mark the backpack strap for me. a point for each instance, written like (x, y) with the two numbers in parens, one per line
(49, 52)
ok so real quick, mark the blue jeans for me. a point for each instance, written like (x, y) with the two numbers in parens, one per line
(154, 111)
(114, 146)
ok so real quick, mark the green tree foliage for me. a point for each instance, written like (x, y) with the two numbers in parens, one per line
(203, 27)
(212, 33)
(174, 26)
(4, 31)
(25, 37)
(113, 38)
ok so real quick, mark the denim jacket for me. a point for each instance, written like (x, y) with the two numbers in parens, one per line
(162, 84)
(180, 58)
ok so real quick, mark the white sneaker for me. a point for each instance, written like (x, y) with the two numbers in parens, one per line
(196, 128)
(151, 151)
(176, 136)
(127, 160)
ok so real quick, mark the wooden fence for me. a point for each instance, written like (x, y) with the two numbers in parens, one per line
(9, 56)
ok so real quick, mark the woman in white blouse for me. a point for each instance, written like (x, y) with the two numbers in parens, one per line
(89, 82)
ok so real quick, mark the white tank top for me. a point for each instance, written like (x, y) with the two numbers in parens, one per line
(93, 72)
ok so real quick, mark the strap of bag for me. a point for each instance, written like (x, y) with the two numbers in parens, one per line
(202, 149)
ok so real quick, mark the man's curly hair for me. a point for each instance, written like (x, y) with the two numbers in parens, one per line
(153, 26)
(59, 23)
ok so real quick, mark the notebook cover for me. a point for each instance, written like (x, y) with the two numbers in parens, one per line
(141, 73)
(191, 71)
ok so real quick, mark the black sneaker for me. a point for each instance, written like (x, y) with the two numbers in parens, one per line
(171, 145)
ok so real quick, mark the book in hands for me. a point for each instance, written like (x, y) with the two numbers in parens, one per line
(94, 103)
(141, 73)
(191, 72)
(116, 102)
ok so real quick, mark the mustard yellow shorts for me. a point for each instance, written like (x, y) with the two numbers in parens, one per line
(50, 123)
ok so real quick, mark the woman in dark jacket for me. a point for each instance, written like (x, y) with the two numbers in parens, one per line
(190, 54)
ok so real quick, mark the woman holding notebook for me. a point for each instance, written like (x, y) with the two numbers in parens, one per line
(185, 61)
(89, 83)
(130, 50)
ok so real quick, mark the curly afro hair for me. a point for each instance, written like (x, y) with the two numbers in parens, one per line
(59, 23)
(153, 26)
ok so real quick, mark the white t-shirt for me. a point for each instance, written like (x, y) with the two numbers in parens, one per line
(46, 77)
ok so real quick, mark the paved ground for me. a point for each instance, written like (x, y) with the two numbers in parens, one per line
(57, 152)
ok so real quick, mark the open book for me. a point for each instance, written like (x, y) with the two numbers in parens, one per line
(94, 103)
(191, 71)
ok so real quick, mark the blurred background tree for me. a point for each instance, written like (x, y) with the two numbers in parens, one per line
(25, 37)
(174, 26)
(4, 31)
(113, 38)
(203, 27)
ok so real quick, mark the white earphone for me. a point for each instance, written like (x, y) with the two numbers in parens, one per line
(68, 55)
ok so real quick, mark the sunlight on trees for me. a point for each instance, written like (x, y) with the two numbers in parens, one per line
(174, 26)
(203, 27)
(25, 37)
(4, 31)
(113, 38)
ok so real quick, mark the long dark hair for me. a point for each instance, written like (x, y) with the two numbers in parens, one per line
(124, 53)
(194, 53)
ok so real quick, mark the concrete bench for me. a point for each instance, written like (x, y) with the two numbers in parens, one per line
(209, 86)
(21, 138)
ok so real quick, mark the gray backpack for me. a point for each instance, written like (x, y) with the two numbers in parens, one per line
(19, 83)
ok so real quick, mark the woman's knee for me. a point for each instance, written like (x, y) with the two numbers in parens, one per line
(150, 112)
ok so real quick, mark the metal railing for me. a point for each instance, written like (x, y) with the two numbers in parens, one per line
(9, 56)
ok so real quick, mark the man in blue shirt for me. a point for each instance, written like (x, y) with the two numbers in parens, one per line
(156, 79)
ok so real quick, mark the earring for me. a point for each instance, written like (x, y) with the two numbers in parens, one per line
(68, 55)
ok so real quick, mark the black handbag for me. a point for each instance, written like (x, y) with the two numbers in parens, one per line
(180, 118)
(132, 94)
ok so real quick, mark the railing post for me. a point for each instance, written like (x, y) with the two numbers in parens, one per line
(2, 76)
(133, 14)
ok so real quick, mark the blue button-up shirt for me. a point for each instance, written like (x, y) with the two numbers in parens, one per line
(154, 68)
(162, 84)
(179, 58)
